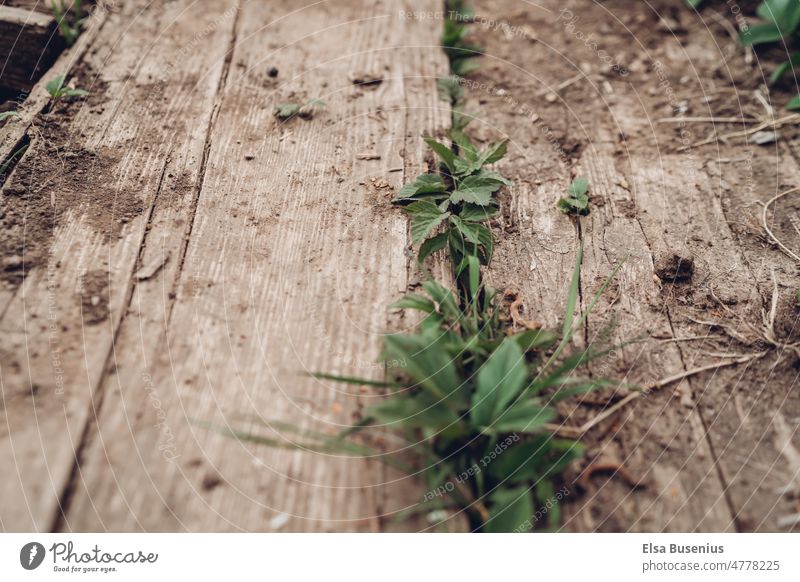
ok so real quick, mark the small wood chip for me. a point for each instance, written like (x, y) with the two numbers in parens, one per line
(151, 268)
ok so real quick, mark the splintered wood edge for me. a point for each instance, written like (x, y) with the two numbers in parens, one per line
(15, 128)
(25, 17)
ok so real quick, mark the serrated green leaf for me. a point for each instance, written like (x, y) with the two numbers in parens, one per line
(465, 146)
(444, 152)
(424, 184)
(431, 245)
(425, 217)
(467, 230)
(494, 152)
(476, 190)
(476, 213)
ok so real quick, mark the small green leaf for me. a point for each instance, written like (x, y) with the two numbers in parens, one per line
(425, 217)
(760, 34)
(476, 190)
(287, 110)
(74, 92)
(784, 67)
(577, 200)
(8, 114)
(424, 184)
(54, 86)
(794, 103)
(431, 245)
(444, 152)
(494, 152)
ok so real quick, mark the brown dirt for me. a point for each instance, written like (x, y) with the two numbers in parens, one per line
(55, 177)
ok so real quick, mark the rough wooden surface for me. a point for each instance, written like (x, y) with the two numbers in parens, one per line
(264, 248)
(174, 256)
(713, 452)
(28, 46)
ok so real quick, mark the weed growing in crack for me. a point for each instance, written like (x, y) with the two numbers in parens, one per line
(577, 199)
(461, 197)
(286, 111)
(58, 90)
(69, 26)
(779, 22)
(473, 399)
(460, 52)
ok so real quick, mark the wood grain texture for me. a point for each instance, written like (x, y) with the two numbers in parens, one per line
(29, 44)
(647, 203)
(293, 256)
(60, 325)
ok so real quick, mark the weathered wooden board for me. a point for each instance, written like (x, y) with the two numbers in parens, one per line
(175, 256)
(293, 257)
(29, 44)
(86, 189)
(517, 75)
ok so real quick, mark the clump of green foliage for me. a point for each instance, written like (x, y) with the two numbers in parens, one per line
(474, 400)
(577, 199)
(69, 25)
(780, 21)
(58, 90)
(460, 52)
(461, 198)
(286, 111)
(472, 396)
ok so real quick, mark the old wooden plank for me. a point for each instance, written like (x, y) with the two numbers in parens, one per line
(530, 62)
(294, 256)
(661, 439)
(105, 162)
(29, 44)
